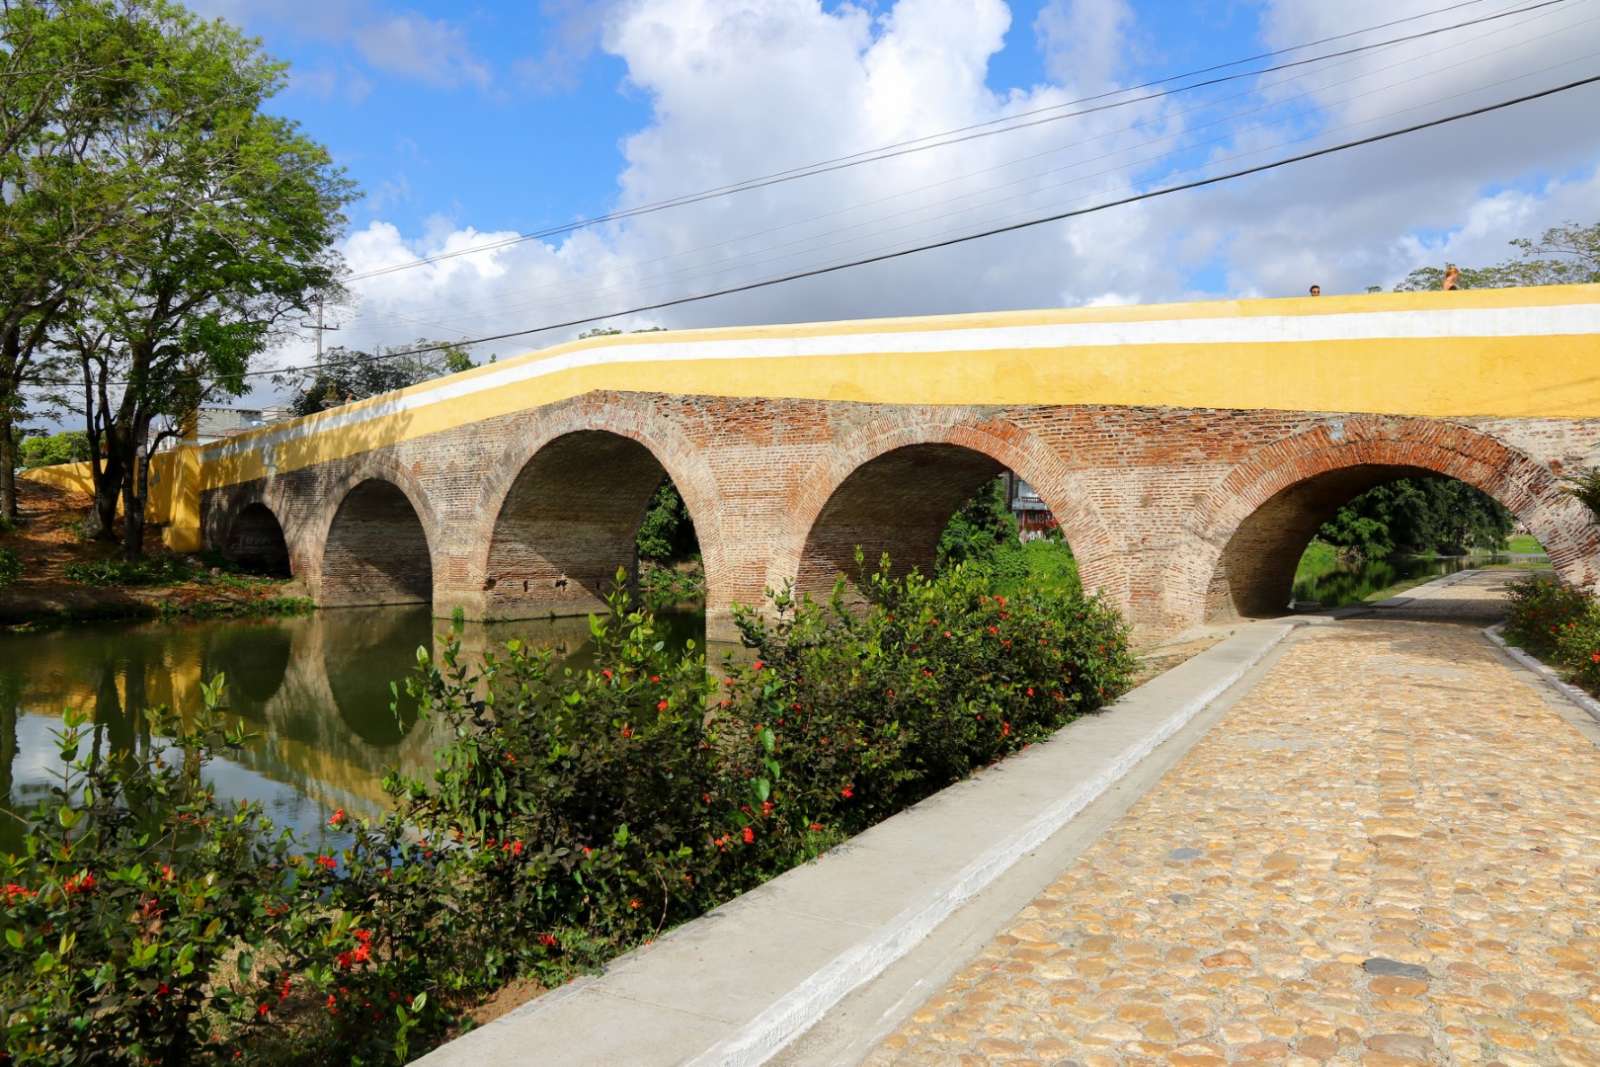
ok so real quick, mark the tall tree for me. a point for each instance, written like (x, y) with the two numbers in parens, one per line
(68, 69)
(236, 231)
(1568, 254)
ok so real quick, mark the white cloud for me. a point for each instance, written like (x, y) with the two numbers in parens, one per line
(1084, 41)
(432, 51)
(758, 87)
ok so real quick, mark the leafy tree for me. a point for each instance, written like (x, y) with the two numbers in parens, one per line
(667, 532)
(70, 188)
(1563, 255)
(238, 218)
(69, 447)
(346, 374)
(980, 528)
(1419, 515)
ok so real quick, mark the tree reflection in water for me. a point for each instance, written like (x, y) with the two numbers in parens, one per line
(315, 689)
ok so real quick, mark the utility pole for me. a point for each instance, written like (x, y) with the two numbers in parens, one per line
(319, 328)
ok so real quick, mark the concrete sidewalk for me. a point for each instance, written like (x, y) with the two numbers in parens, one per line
(738, 984)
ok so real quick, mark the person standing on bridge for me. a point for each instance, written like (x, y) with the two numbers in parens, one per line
(1316, 290)
(1452, 277)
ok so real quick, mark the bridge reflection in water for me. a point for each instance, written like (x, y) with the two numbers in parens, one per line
(314, 689)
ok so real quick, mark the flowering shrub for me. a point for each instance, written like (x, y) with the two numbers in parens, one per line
(572, 814)
(865, 713)
(1558, 624)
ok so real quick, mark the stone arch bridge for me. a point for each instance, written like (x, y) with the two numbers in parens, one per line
(1188, 451)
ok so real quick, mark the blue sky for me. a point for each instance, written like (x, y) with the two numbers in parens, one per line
(465, 124)
(543, 145)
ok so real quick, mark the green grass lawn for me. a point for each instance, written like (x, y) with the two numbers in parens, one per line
(1524, 543)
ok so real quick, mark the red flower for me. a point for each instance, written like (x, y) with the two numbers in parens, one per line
(166, 872)
(342, 961)
(336, 818)
(848, 791)
(661, 706)
(516, 847)
(332, 1004)
(1000, 600)
(79, 883)
(634, 903)
(627, 731)
(363, 936)
(994, 629)
(606, 674)
(362, 954)
(947, 633)
(1005, 729)
(654, 678)
(327, 862)
(706, 797)
(547, 940)
(262, 1009)
(749, 835)
(757, 665)
(163, 989)
(1030, 690)
(587, 851)
(816, 826)
(1595, 657)
(766, 807)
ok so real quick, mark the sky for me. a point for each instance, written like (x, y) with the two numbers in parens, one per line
(470, 123)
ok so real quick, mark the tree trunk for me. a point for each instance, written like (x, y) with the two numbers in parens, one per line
(132, 513)
(107, 489)
(8, 466)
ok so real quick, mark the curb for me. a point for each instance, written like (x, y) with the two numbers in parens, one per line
(796, 1012)
(1545, 672)
(667, 985)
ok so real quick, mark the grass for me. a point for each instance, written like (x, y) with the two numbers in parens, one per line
(1524, 544)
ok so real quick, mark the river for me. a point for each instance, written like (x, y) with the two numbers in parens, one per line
(1344, 584)
(314, 689)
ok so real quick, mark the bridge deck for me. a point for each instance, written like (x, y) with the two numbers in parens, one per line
(1511, 353)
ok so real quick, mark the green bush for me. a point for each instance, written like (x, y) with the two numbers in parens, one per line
(10, 567)
(1558, 624)
(69, 447)
(874, 710)
(572, 814)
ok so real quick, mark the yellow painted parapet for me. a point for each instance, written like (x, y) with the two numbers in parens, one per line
(75, 477)
(1496, 352)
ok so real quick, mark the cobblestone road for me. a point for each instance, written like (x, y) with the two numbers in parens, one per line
(1387, 853)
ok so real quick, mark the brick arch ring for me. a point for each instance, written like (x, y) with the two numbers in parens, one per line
(368, 468)
(1527, 488)
(1101, 566)
(683, 461)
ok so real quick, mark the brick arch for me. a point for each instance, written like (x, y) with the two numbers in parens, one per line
(1247, 532)
(971, 449)
(594, 464)
(377, 536)
(255, 540)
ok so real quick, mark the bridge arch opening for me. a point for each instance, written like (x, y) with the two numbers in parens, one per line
(255, 542)
(1342, 535)
(931, 505)
(377, 550)
(585, 506)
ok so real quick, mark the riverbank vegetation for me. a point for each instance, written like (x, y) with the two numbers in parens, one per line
(574, 814)
(61, 575)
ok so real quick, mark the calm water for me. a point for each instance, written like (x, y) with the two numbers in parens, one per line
(1352, 585)
(315, 688)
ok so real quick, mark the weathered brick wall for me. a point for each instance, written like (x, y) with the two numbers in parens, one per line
(1176, 515)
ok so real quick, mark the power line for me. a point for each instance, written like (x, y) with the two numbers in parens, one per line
(916, 144)
(990, 232)
(713, 269)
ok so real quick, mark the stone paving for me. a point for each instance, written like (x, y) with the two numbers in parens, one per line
(1387, 854)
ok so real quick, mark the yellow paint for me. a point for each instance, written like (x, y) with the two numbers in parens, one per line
(75, 477)
(1553, 377)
